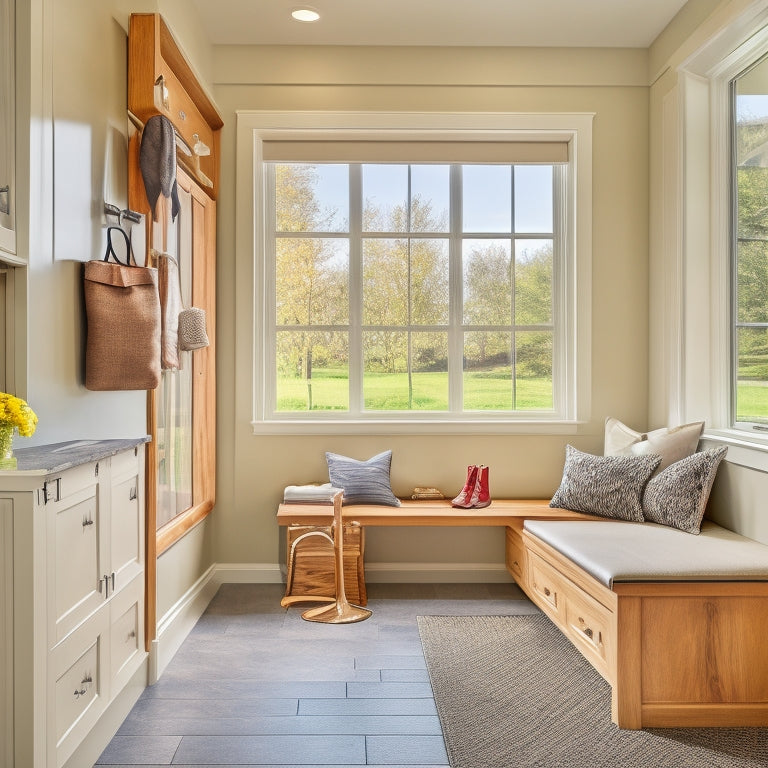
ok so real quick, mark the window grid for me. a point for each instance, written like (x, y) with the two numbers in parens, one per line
(456, 329)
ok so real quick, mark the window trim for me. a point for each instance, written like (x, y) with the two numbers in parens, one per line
(700, 364)
(255, 127)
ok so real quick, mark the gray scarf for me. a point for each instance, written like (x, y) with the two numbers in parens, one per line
(157, 159)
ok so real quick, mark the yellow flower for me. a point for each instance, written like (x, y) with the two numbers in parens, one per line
(15, 412)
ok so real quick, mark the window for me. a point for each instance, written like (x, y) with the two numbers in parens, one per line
(436, 270)
(367, 319)
(750, 248)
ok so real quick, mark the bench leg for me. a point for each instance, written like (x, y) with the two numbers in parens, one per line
(626, 693)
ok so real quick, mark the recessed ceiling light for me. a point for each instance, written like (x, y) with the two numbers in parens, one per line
(306, 13)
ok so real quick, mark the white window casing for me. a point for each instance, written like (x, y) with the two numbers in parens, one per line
(568, 134)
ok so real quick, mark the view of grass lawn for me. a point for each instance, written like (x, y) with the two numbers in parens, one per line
(486, 390)
(752, 401)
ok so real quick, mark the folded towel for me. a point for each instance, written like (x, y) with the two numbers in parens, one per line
(310, 494)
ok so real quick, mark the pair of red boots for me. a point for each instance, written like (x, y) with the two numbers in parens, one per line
(475, 492)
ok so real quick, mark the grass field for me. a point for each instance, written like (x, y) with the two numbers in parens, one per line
(752, 401)
(489, 390)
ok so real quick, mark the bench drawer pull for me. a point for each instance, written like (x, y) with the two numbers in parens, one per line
(547, 591)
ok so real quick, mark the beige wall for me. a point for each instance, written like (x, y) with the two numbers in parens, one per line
(74, 95)
(612, 84)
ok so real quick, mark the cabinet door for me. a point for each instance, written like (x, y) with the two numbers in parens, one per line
(78, 528)
(126, 550)
(7, 127)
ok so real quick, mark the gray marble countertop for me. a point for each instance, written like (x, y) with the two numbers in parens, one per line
(45, 459)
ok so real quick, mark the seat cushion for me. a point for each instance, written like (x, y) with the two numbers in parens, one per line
(616, 551)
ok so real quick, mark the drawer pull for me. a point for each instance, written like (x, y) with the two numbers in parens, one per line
(588, 632)
(87, 522)
(132, 634)
(547, 591)
(81, 692)
(132, 494)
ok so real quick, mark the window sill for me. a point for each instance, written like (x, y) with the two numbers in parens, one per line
(744, 449)
(413, 426)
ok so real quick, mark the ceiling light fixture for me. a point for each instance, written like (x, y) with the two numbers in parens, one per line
(305, 13)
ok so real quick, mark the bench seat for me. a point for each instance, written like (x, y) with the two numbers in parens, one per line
(617, 551)
(676, 623)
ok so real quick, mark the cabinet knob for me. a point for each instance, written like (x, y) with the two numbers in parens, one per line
(547, 591)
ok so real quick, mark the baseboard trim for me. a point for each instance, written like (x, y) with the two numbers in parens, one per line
(248, 573)
(174, 626)
(436, 573)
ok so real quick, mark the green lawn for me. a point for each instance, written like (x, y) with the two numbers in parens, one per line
(483, 391)
(752, 401)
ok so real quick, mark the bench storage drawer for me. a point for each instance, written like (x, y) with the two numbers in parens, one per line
(549, 588)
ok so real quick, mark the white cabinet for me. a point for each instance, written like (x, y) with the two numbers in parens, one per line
(76, 589)
(7, 127)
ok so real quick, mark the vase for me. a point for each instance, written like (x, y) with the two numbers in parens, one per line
(7, 459)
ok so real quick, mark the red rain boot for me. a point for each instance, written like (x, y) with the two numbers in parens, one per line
(463, 499)
(481, 495)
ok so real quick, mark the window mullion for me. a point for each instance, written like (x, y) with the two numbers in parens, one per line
(455, 296)
(268, 367)
(355, 290)
(563, 367)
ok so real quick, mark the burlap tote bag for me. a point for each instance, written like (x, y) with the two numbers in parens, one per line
(122, 306)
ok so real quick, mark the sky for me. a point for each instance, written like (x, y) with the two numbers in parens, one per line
(487, 193)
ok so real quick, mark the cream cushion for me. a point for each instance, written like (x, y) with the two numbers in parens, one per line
(671, 443)
(616, 551)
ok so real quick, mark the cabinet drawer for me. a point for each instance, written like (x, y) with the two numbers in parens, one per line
(125, 463)
(126, 640)
(548, 587)
(79, 687)
(515, 555)
(76, 479)
(589, 625)
(76, 690)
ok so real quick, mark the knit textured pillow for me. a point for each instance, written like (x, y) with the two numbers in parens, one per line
(678, 496)
(364, 482)
(609, 486)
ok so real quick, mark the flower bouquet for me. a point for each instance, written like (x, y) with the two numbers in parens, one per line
(15, 414)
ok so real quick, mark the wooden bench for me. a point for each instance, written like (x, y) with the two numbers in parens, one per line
(676, 623)
(310, 576)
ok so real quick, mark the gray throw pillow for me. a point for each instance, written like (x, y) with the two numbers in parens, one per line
(609, 486)
(364, 482)
(678, 496)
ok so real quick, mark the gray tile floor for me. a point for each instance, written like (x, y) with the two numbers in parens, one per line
(255, 685)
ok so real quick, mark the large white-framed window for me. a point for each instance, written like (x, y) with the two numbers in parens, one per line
(402, 260)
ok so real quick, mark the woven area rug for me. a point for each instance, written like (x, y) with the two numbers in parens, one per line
(512, 692)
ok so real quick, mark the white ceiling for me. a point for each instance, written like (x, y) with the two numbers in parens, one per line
(602, 23)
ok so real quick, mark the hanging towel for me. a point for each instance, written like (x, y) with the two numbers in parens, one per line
(157, 159)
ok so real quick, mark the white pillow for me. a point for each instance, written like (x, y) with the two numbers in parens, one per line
(672, 444)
